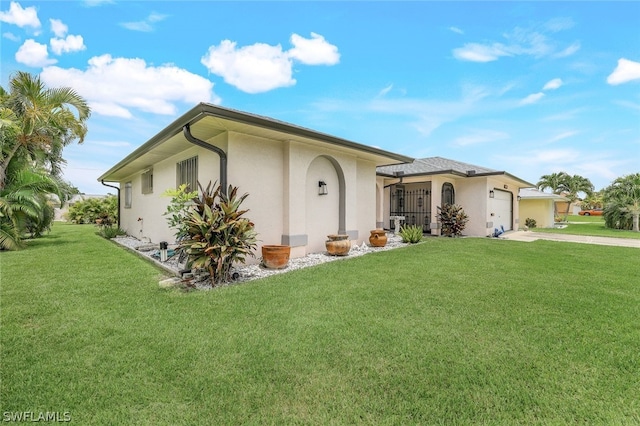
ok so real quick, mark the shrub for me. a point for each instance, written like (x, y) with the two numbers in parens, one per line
(411, 234)
(452, 219)
(92, 210)
(617, 216)
(111, 231)
(530, 223)
(178, 209)
(217, 234)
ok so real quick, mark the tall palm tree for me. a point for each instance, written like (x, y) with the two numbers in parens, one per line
(554, 183)
(572, 187)
(625, 191)
(567, 185)
(43, 121)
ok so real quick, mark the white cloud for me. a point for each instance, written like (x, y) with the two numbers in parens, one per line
(72, 43)
(27, 17)
(553, 84)
(475, 52)
(145, 25)
(252, 69)
(58, 28)
(10, 36)
(314, 50)
(520, 41)
(559, 24)
(625, 72)
(456, 30)
(261, 67)
(531, 99)
(563, 135)
(568, 51)
(33, 54)
(385, 90)
(115, 86)
(480, 136)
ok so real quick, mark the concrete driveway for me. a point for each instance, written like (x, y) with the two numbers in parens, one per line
(605, 241)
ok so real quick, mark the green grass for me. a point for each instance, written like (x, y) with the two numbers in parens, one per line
(585, 219)
(449, 331)
(589, 225)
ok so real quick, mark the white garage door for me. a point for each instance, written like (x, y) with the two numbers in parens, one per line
(502, 207)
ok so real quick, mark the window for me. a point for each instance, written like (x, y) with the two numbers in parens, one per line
(147, 182)
(127, 195)
(187, 173)
(448, 194)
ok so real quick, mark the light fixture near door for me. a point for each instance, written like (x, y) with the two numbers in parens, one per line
(322, 188)
(491, 193)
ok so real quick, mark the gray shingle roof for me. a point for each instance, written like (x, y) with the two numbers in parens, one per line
(434, 165)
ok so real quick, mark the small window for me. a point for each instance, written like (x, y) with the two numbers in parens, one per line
(187, 173)
(448, 194)
(127, 195)
(147, 182)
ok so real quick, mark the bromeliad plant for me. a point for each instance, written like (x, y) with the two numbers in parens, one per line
(217, 233)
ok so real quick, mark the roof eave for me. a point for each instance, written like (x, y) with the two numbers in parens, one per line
(204, 109)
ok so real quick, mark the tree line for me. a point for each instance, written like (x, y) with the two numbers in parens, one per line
(620, 200)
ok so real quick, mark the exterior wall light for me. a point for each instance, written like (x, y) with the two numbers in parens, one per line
(518, 198)
(322, 188)
(491, 194)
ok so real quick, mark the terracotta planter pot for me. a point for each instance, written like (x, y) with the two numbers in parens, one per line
(338, 245)
(378, 238)
(275, 256)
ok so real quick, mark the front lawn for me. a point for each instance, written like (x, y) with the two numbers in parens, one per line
(591, 226)
(450, 331)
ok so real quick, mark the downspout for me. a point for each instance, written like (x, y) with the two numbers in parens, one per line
(117, 189)
(186, 130)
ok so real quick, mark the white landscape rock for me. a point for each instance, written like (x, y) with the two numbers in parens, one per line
(244, 273)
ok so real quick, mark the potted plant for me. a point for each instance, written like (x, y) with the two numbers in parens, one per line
(275, 256)
(338, 244)
(378, 238)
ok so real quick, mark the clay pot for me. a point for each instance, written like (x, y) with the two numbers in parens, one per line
(378, 238)
(275, 256)
(338, 245)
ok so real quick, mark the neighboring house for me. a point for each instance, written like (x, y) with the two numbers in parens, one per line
(416, 190)
(302, 184)
(539, 206)
(61, 211)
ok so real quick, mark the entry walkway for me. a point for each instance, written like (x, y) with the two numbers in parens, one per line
(529, 236)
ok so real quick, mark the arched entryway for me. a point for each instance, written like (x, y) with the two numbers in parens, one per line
(324, 213)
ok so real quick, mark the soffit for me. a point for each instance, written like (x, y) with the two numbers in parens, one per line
(171, 141)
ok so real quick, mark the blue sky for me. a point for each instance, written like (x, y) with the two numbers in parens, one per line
(527, 87)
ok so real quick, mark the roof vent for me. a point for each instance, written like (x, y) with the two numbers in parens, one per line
(471, 172)
(399, 173)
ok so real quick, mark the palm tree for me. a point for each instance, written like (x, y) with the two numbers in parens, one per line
(23, 201)
(554, 183)
(567, 185)
(39, 122)
(574, 185)
(625, 191)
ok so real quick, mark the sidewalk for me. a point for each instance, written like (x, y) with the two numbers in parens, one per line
(529, 236)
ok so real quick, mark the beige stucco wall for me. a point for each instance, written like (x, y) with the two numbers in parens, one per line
(150, 207)
(282, 181)
(471, 193)
(540, 210)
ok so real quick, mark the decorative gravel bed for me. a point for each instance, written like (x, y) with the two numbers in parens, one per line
(244, 273)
